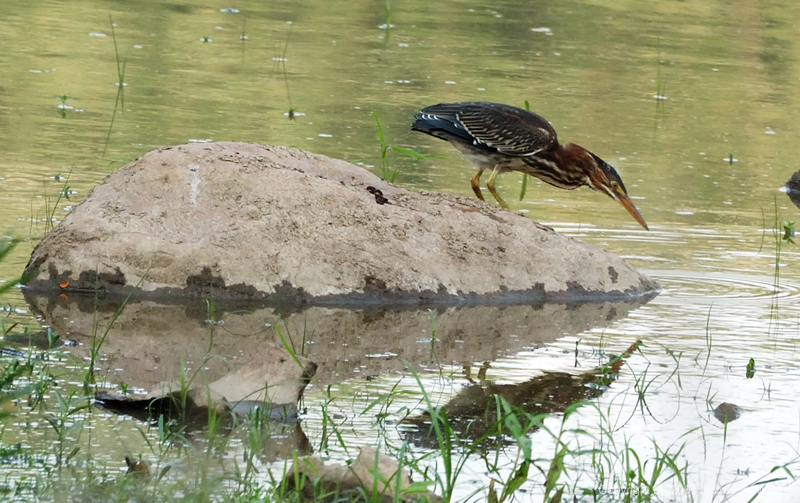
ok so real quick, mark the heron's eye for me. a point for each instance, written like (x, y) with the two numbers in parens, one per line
(614, 185)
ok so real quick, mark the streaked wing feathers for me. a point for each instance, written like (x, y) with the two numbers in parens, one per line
(508, 129)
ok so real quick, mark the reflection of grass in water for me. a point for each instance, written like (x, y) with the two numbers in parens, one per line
(96, 340)
(661, 81)
(660, 97)
(243, 36)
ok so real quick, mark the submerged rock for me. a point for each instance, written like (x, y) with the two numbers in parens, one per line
(793, 188)
(727, 412)
(373, 476)
(239, 220)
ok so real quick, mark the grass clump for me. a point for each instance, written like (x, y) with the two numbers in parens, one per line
(387, 172)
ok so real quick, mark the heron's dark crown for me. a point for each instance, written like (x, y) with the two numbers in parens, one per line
(609, 171)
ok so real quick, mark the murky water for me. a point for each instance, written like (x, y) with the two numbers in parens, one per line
(703, 165)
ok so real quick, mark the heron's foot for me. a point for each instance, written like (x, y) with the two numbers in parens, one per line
(497, 196)
(476, 187)
(490, 186)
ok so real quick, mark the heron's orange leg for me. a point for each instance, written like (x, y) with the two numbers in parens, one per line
(490, 186)
(476, 188)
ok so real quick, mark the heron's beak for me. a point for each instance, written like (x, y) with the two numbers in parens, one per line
(625, 201)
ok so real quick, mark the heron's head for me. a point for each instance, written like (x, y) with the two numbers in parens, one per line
(604, 178)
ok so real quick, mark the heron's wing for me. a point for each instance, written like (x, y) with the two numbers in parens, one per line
(508, 129)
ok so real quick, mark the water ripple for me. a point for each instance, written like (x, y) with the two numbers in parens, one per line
(696, 287)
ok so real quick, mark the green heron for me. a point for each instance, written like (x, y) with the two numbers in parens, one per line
(504, 138)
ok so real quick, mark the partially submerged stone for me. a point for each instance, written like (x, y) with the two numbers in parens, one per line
(792, 188)
(727, 412)
(242, 220)
(373, 476)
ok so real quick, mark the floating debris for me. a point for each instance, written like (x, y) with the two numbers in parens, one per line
(387, 354)
(205, 40)
(402, 44)
(280, 59)
(543, 29)
(323, 135)
(769, 131)
(660, 97)
(195, 140)
(450, 82)
(229, 10)
(12, 309)
(97, 34)
(385, 26)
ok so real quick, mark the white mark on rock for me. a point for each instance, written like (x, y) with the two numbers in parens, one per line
(195, 185)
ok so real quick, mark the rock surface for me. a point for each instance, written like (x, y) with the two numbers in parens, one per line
(237, 220)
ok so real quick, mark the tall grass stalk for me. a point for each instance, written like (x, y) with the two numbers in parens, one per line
(119, 101)
(454, 455)
(96, 342)
(51, 208)
(387, 173)
(7, 244)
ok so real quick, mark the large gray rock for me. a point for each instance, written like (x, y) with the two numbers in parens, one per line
(244, 220)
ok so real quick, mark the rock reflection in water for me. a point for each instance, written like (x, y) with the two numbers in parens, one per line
(149, 340)
(155, 351)
(231, 353)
